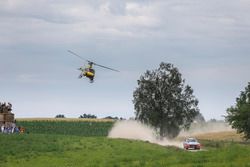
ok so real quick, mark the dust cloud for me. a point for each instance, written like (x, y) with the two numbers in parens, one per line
(207, 127)
(135, 130)
(138, 131)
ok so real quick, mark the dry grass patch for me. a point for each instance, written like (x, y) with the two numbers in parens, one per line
(221, 136)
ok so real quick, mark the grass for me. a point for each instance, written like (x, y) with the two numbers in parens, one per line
(65, 143)
(221, 136)
(47, 150)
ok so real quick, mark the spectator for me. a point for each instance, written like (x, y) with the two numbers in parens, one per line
(16, 130)
(2, 128)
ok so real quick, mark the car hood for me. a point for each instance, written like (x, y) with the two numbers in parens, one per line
(192, 143)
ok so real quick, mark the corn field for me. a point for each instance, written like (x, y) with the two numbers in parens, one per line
(79, 128)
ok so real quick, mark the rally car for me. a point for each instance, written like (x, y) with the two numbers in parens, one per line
(191, 143)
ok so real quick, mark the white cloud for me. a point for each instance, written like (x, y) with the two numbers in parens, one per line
(83, 18)
(165, 19)
(26, 77)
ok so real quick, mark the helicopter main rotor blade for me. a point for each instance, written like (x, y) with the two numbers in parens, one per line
(106, 67)
(91, 62)
(79, 56)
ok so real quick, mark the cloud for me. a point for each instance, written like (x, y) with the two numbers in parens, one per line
(221, 75)
(162, 19)
(207, 39)
(54, 22)
(27, 77)
(34, 79)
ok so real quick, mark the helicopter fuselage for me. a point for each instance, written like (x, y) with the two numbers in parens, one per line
(87, 72)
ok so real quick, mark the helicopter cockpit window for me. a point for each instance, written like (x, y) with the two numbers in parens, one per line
(91, 70)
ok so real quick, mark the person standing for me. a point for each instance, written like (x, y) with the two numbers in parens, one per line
(2, 128)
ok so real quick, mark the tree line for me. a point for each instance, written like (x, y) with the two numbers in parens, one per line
(91, 116)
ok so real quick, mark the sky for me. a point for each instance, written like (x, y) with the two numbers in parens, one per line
(208, 41)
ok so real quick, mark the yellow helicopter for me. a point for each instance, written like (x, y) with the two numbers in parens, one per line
(88, 71)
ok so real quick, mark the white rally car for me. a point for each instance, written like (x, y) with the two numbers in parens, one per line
(191, 143)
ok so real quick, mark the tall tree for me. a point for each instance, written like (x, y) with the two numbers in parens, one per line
(239, 115)
(164, 101)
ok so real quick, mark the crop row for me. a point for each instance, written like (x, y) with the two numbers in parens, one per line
(65, 119)
(79, 128)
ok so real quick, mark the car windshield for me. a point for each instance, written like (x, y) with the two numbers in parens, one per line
(191, 140)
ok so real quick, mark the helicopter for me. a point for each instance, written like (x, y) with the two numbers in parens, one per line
(88, 71)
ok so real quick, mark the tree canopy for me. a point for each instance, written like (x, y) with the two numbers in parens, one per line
(239, 115)
(60, 116)
(164, 101)
(87, 116)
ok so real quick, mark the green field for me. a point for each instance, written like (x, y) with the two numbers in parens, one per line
(68, 150)
(79, 128)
